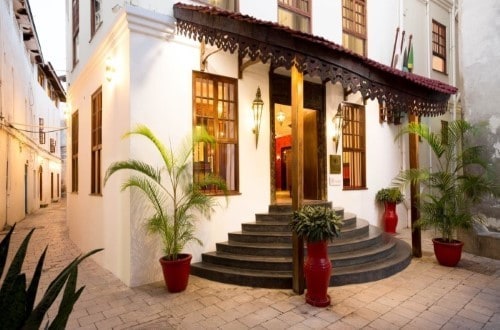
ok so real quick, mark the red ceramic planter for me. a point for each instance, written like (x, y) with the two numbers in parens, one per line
(176, 272)
(447, 254)
(317, 270)
(390, 217)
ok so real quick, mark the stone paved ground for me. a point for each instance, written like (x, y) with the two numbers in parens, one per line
(423, 296)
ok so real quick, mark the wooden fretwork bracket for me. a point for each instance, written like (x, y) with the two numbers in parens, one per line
(204, 57)
(243, 65)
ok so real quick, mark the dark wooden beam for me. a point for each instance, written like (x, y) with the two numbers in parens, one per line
(297, 174)
(416, 239)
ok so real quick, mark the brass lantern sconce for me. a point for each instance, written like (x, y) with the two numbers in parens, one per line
(338, 125)
(257, 106)
(110, 69)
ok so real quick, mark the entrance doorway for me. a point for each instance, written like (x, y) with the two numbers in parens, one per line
(313, 135)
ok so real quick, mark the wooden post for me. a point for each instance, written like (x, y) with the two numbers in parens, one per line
(416, 239)
(297, 174)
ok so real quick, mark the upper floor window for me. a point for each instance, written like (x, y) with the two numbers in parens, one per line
(95, 16)
(354, 146)
(296, 14)
(438, 47)
(354, 25)
(96, 140)
(41, 133)
(215, 108)
(41, 77)
(229, 5)
(52, 145)
(76, 30)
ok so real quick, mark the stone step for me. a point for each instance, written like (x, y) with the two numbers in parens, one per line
(285, 263)
(276, 232)
(360, 273)
(287, 208)
(284, 214)
(372, 237)
(285, 218)
(260, 255)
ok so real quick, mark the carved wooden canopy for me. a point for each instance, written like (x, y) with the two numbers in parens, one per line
(316, 56)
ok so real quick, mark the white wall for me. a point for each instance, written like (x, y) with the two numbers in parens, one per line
(22, 102)
(479, 58)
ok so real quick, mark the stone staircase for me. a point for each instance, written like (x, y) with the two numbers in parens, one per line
(260, 255)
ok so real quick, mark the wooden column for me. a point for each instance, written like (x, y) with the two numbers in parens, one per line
(416, 239)
(297, 173)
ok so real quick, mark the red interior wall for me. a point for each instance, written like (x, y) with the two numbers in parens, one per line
(281, 142)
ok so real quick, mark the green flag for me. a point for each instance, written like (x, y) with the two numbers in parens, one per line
(410, 59)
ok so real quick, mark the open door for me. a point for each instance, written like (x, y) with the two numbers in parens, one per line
(314, 140)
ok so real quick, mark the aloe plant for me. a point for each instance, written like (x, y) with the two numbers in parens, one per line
(316, 223)
(17, 299)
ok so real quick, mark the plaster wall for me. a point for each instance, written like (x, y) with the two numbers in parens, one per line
(479, 40)
(94, 221)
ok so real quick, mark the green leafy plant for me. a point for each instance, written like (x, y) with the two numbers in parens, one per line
(174, 199)
(391, 195)
(460, 178)
(17, 299)
(316, 223)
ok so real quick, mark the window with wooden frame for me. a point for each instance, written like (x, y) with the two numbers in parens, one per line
(96, 133)
(296, 14)
(74, 152)
(76, 30)
(41, 133)
(354, 25)
(215, 108)
(354, 146)
(41, 77)
(229, 5)
(52, 145)
(95, 16)
(438, 47)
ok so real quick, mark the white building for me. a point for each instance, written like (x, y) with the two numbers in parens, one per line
(128, 65)
(31, 120)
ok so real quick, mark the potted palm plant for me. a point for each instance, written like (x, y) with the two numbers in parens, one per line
(317, 225)
(459, 180)
(390, 197)
(172, 200)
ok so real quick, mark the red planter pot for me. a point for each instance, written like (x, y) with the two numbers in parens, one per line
(447, 253)
(176, 272)
(317, 271)
(390, 217)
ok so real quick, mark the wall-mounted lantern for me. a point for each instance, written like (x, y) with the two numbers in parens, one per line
(337, 127)
(257, 106)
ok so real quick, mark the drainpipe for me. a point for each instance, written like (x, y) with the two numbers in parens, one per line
(453, 53)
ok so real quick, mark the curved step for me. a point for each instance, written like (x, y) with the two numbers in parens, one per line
(283, 279)
(285, 263)
(372, 236)
(260, 255)
(277, 232)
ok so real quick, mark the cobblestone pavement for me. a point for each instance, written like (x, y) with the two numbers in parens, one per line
(423, 296)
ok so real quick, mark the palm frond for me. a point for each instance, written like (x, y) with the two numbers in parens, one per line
(461, 180)
(174, 198)
(143, 130)
(133, 165)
